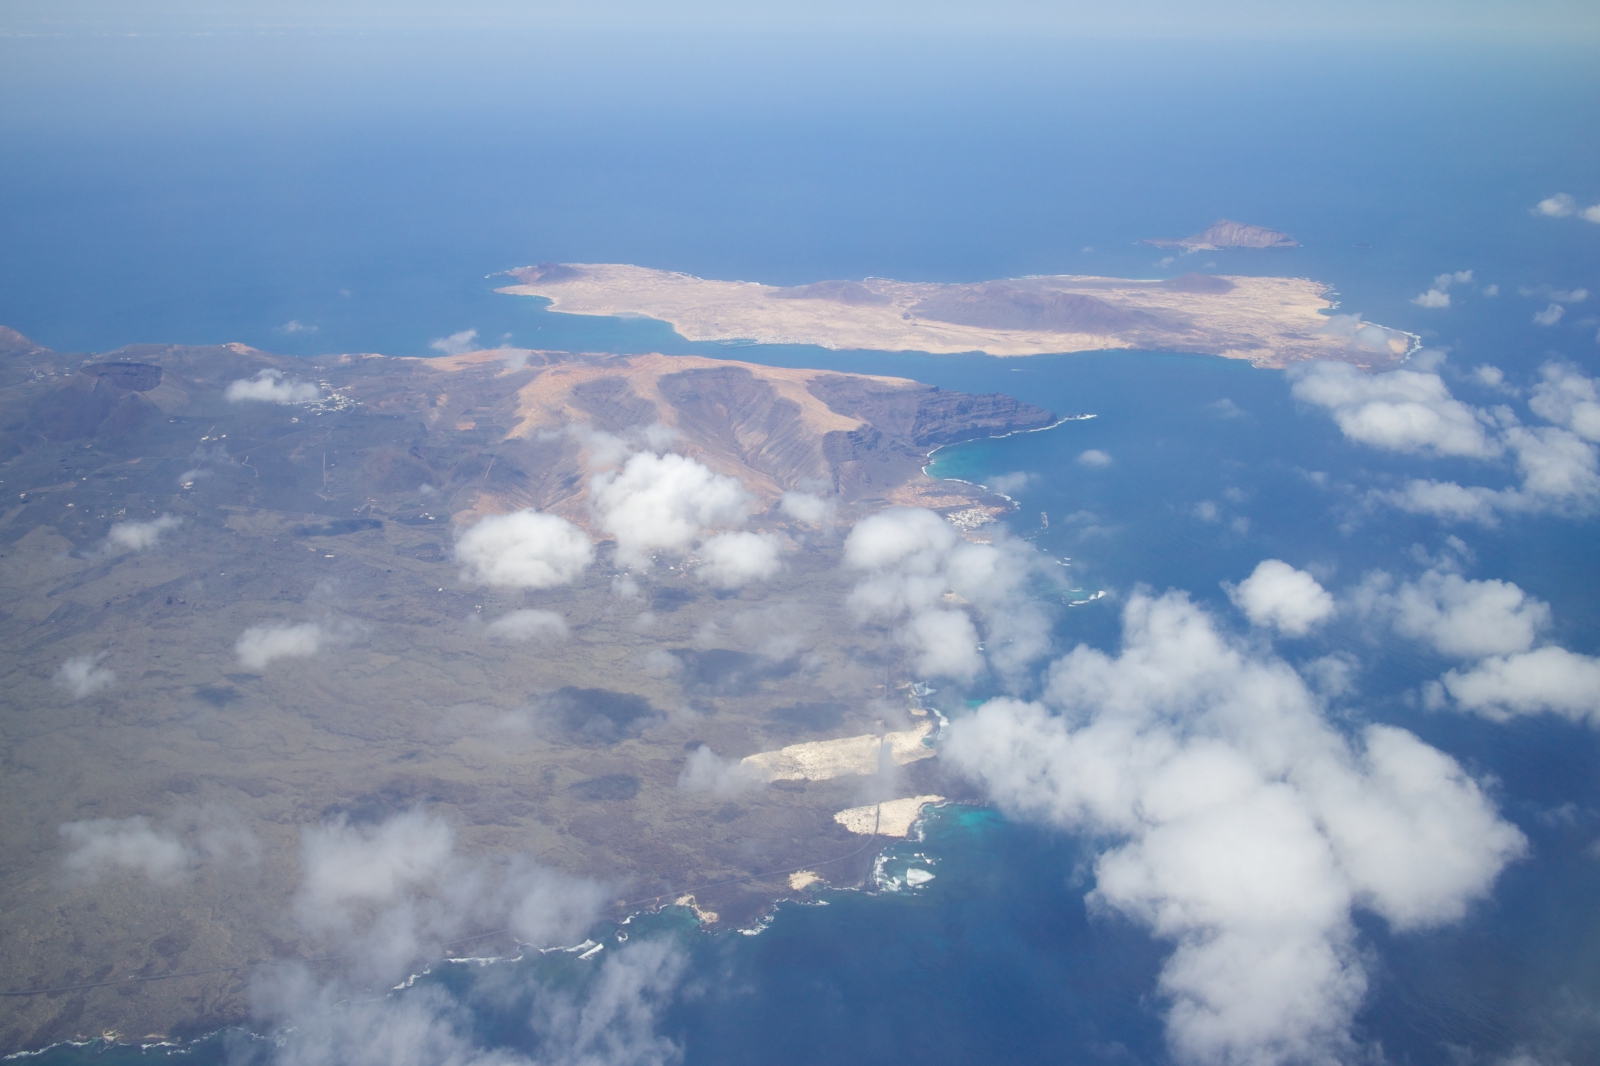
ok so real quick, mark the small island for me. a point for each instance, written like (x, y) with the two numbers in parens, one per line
(1227, 234)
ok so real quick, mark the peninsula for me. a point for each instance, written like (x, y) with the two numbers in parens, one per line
(1271, 322)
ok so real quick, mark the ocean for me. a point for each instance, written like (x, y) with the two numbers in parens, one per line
(330, 193)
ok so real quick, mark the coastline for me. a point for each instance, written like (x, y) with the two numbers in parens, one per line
(874, 883)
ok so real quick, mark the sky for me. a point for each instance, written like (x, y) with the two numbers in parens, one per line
(1545, 20)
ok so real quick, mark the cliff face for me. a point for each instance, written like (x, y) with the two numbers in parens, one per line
(483, 433)
(776, 429)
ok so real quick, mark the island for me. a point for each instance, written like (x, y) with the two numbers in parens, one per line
(1226, 234)
(1269, 321)
(164, 502)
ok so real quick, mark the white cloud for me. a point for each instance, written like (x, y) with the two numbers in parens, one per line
(946, 643)
(82, 676)
(921, 576)
(704, 771)
(733, 560)
(1566, 397)
(1413, 411)
(1455, 616)
(294, 326)
(1549, 316)
(1277, 595)
(1237, 823)
(1359, 336)
(137, 536)
(1591, 214)
(456, 343)
(390, 897)
(663, 502)
(1547, 680)
(1439, 294)
(524, 549)
(393, 893)
(271, 386)
(108, 845)
(1569, 296)
(1207, 511)
(1450, 501)
(1094, 457)
(1557, 466)
(259, 645)
(1491, 290)
(1012, 483)
(808, 508)
(1492, 377)
(1558, 206)
(527, 624)
(1402, 410)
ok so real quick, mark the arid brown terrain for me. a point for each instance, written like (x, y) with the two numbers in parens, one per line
(1271, 322)
(338, 506)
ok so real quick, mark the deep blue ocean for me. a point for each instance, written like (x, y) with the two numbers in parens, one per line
(353, 193)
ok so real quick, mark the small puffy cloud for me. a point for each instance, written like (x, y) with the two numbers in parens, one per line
(1010, 484)
(345, 866)
(1491, 290)
(271, 386)
(1447, 500)
(1492, 377)
(1591, 213)
(393, 893)
(1556, 465)
(456, 343)
(1225, 408)
(1237, 823)
(105, 846)
(704, 771)
(1568, 398)
(1277, 595)
(137, 536)
(1094, 457)
(1360, 336)
(1547, 680)
(806, 507)
(527, 625)
(1455, 616)
(663, 503)
(946, 643)
(1558, 206)
(1401, 410)
(1549, 316)
(1439, 294)
(733, 560)
(1207, 511)
(912, 538)
(82, 675)
(260, 645)
(525, 549)
(921, 576)
(294, 326)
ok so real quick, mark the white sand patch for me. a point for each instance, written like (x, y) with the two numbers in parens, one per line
(893, 818)
(820, 760)
(706, 917)
(801, 879)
